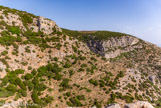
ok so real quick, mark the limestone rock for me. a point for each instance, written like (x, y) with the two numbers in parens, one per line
(114, 46)
(113, 106)
(139, 104)
(46, 25)
(152, 79)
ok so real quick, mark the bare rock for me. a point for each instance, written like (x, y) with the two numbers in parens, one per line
(113, 47)
(47, 26)
(139, 104)
(152, 79)
(113, 106)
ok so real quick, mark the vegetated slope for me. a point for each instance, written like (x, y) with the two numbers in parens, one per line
(47, 66)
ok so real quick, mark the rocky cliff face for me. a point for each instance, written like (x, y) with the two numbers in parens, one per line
(45, 25)
(27, 21)
(114, 46)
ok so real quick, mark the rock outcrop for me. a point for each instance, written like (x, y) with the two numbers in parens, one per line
(46, 26)
(139, 104)
(114, 46)
(31, 22)
(113, 106)
(152, 79)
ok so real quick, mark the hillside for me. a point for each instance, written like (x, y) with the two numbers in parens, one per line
(45, 66)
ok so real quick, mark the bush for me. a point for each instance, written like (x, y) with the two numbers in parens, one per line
(75, 102)
(67, 65)
(28, 76)
(48, 99)
(58, 77)
(80, 97)
(19, 71)
(64, 83)
(20, 83)
(97, 104)
(68, 94)
(84, 65)
(94, 82)
(4, 53)
(11, 88)
(113, 96)
(9, 40)
(14, 30)
(5, 93)
(74, 48)
(128, 98)
(35, 97)
(34, 72)
(56, 68)
(23, 93)
(40, 87)
(30, 85)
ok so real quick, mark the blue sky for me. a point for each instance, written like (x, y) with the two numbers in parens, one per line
(141, 18)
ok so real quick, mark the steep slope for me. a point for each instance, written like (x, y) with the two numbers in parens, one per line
(43, 65)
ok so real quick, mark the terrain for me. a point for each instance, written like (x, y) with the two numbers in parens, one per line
(43, 65)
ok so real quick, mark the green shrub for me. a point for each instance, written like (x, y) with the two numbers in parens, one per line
(97, 104)
(5, 93)
(9, 40)
(20, 83)
(28, 76)
(67, 65)
(64, 83)
(34, 72)
(30, 85)
(84, 65)
(4, 53)
(23, 93)
(35, 97)
(40, 87)
(94, 82)
(5, 33)
(74, 48)
(56, 68)
(75, 102)
(18, 71)
(47, 99)
(14, 30)
(11, 88)
(58, 77)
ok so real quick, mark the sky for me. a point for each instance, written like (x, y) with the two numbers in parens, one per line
(141, 18)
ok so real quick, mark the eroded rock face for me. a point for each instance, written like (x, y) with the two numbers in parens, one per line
(44, 25)
(39, 23)
(114, 46)
(47, 26)
(113, 106)
(139, 104)
(152, 79)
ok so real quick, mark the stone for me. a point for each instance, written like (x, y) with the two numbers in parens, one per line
(113, 106)
(139, 104)
(152, 79)
(114, 46)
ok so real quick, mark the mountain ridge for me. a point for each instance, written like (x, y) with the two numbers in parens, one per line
(48, 66)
